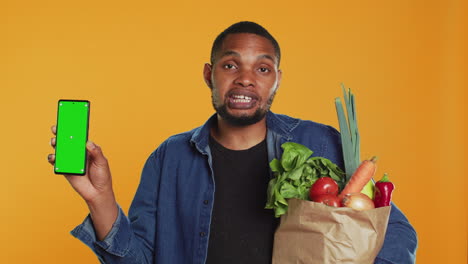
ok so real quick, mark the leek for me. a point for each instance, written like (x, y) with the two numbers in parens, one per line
(350, 137)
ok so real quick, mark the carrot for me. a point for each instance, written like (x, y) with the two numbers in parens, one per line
(360, 177)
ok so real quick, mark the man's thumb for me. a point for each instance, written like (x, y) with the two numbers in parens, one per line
(96, 153)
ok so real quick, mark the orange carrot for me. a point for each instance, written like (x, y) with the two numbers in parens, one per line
(360, 177)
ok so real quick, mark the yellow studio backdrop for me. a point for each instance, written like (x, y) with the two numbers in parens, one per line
(140, 63)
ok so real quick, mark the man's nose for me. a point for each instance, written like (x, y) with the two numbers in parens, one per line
(245, 78)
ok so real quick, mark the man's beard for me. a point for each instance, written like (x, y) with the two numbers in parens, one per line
(243, 120)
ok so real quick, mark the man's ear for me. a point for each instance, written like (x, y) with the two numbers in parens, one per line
(280, 74)
(207, 75)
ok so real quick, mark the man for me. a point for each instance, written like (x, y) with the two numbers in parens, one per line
(202, 193)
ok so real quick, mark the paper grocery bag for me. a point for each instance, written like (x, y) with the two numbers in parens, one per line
(314, 233)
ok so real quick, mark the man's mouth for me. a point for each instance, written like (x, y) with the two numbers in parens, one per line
(242, 101)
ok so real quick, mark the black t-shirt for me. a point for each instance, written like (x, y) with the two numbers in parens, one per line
(241, 229)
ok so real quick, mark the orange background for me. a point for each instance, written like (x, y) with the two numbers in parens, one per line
(141, 66)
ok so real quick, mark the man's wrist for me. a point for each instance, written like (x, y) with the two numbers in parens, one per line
(104, 212)
(102, 200)
(102, 203)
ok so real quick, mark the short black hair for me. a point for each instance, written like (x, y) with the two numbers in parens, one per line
(244, 27)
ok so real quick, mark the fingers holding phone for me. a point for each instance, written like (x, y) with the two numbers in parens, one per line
(51, 157)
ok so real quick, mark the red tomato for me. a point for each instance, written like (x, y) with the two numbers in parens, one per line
(324, 185)
(328, 199)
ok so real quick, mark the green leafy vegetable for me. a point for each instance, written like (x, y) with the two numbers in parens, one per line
(294, 155)
(294, 175)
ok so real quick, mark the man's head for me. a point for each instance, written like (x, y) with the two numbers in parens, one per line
(243, 74)
(244, 27)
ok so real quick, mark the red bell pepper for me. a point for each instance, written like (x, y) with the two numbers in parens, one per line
(383, 192)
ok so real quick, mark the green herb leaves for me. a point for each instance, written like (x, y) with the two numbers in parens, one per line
(295, 173)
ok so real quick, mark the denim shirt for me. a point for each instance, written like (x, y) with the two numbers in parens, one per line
(169, 218)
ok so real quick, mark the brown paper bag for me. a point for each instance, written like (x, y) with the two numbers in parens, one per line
(314, 233)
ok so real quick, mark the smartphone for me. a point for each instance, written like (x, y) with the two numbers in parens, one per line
(71, 137)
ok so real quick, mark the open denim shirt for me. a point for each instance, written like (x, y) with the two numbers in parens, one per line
(169, 219)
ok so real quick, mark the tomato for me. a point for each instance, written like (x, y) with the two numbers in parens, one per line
(328, 199)
(324, 185)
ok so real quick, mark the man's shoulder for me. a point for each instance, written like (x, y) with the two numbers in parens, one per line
(177, 145)
(298, 125)
(323, 139)
(181, 138)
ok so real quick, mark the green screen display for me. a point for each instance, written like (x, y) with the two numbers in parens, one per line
(72, 134)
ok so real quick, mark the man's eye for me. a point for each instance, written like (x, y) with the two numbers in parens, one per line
(263, 69)
(229, 66)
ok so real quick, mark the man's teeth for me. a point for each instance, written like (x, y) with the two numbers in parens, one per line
(242, 99)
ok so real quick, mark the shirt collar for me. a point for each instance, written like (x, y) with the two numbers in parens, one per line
(278, 124)
(201, 135)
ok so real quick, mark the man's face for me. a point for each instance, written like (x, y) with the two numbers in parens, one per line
(243, 78)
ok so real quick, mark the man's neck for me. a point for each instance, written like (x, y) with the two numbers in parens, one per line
(239, 138)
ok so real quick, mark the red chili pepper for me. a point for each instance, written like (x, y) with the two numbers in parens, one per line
(383, 192)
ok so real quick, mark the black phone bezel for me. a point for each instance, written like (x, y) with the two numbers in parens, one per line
(87, 134)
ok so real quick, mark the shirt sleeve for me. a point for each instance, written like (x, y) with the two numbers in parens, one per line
(115, 243)
(131, 239)
(400, 242)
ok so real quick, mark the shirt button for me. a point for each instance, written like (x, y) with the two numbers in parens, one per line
(202, 234)
(206, 202)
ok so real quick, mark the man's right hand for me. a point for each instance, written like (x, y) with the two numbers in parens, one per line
(95, 187)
